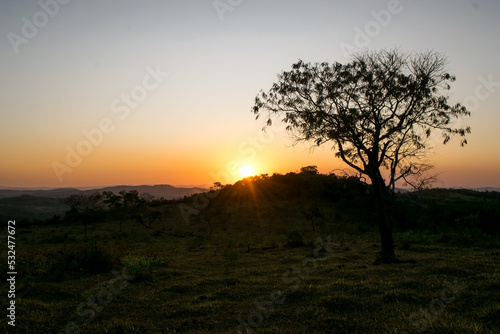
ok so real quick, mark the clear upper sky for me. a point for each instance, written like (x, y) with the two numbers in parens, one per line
(149, 92)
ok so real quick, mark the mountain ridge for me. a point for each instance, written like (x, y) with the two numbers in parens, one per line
(160, 190)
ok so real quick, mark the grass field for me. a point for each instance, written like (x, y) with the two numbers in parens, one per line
(175, 278)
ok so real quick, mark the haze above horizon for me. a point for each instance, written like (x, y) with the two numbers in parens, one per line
(101, 94)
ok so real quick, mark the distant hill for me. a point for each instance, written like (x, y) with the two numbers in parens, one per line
(163, 190)
(44, 203)
(50, 193)
(29, 206)
(487, 189)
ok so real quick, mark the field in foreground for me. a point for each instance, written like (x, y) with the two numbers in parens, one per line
(172, 281)
(281, 254)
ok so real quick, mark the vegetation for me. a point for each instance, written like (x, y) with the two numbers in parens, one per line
(25, 207)
(378, 112)
(261, 266)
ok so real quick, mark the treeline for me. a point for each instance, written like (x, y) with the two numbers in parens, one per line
(284, 200)
(349, 197)
(433, 210)
(94, 207)
(345, 192)
(460, 210)
(97, 207)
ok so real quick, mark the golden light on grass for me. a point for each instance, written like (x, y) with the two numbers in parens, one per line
(246, 171)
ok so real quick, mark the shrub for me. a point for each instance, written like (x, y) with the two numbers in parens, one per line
(67, 263)
(95, 259)
(141, 267)
(196, 242)
(295, 239)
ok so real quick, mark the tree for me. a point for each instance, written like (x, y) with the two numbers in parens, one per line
(310, 213)
(309, 170)
(378, 112)
(113, 201)
(115, 204)
(147, 218)
(130, 198)
(86, 205)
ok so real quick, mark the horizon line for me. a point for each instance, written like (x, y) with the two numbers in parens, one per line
(205, 186)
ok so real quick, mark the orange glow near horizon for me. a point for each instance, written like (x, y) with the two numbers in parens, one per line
(176, 107)
(211, 157)
(108, 168)
(201, 163)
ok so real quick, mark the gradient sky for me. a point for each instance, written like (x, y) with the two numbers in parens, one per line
(73, 73)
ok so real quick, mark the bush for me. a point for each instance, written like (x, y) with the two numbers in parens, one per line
(141, 267)
(67, 263)
(196, 243)
(295, 239)
(440, 210)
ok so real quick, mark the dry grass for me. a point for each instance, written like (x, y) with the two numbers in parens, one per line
(253, 282)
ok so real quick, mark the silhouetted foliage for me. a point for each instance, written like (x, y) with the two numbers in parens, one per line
(460, 210)
(95, 207)
(147, 218)
(86, 207)
(378, 112)
(311, 213)
(309, 169)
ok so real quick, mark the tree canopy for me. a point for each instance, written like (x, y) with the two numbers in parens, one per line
(378, 112)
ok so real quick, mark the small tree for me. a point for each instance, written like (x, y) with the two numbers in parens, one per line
(378, 112)
(148, 218)
(86, 205)
(310, 213)
(115, 203)
(112, 201)
(130, 198)
(309, 170)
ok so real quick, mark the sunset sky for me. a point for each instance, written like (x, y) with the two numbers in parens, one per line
(98, 93)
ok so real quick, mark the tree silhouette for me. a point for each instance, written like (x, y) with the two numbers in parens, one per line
(309, 170)
(310, 213)
(378, 111)
(130, 198)
(86, 205)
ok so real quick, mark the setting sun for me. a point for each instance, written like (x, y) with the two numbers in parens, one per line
(246, 171)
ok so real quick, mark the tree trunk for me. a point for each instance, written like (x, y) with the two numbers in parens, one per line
(384, 218)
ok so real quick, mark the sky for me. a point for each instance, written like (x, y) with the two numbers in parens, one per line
(98, 93)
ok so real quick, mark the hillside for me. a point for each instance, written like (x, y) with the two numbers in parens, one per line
(28, 206)
(287, 253)
(43, 204)
(158, 191)
(162, 190)
(51, 193)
